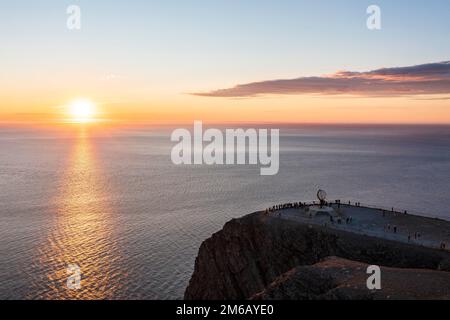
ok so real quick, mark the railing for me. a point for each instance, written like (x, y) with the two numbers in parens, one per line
(372, 206)
(395, 210)
(368, 231)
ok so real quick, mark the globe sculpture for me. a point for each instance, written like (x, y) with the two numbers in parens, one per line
(321, 195)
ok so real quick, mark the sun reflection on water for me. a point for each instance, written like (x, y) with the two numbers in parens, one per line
(83, 233)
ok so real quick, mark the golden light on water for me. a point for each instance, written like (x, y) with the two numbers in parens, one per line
(83, 231)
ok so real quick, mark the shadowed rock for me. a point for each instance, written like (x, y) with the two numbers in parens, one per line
(341, 279)
(252, 252)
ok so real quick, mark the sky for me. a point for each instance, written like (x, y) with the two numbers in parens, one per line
(169, 61)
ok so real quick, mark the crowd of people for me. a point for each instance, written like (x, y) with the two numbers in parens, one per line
(293, 205)
(348, 220)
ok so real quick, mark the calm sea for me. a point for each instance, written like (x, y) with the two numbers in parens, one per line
(113, 203)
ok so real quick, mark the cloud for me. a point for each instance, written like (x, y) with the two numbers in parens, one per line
(432, 78)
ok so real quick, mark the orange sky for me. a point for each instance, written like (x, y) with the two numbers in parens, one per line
(141, 63)
(183, 108)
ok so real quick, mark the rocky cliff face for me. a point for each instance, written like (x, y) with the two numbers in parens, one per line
(247, 258)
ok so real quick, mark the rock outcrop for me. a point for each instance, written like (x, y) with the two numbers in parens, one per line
(262, 257)
(340, 279)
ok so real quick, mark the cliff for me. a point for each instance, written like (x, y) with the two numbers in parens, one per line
(261, 256)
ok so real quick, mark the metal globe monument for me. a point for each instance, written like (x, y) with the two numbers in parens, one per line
(321, 195)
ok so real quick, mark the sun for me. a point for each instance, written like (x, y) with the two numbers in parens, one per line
(82, 110)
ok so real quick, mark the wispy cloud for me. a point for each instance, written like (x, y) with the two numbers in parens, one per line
(431, 78)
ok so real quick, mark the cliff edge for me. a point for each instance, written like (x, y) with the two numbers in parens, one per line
(261, 256)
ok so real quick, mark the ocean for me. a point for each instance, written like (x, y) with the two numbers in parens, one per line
(112, 202)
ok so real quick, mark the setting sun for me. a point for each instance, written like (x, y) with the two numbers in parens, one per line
(82, 110)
